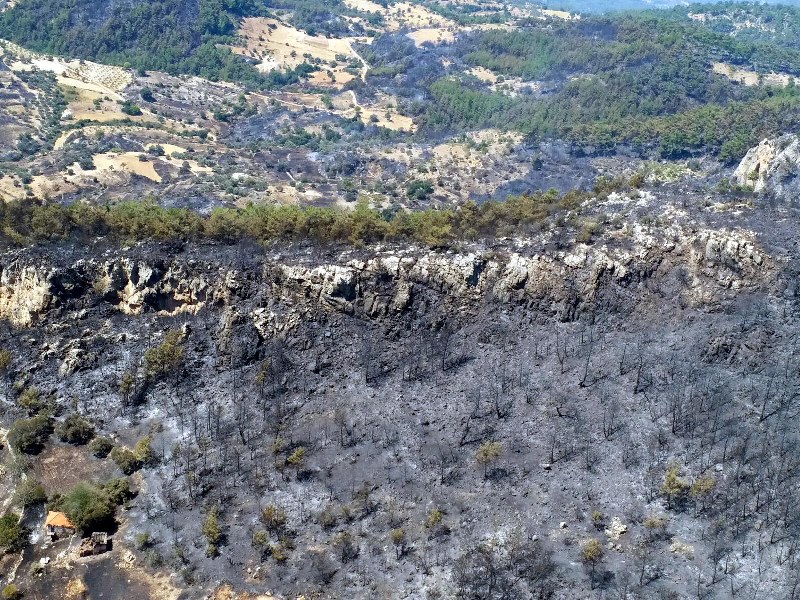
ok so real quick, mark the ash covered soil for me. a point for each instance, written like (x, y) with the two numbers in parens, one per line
(537, 418)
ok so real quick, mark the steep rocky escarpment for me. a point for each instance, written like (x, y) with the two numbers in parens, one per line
(772, 167)
(379, 283)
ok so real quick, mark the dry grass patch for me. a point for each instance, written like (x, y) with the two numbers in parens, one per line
(432, 35)
(381, 112)
(413, 16)
(278, 46)
(560, 14)
(750, 78)
(226, 592)
(94, 105)
(60, 468)
(483, 74)
(85, 75)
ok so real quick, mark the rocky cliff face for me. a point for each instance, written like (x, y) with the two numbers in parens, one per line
(772, 167)
(376, 284)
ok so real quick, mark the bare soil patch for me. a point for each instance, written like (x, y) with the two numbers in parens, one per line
(414, 16)
(278, 46)
(432, 35)
(750, 78)
(59, 468)
(560, 14)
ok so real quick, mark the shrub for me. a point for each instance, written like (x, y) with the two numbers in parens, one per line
(11, 592)
(131, 108)
(101, 446)
(434, 518)
(142, 541)
(260, 539)
(274, 518)
(674, 488)
(296, 458)
(5, 360)
(30, 435)
(592, 554)
(327, 518)
(419, 190)
(88, 507)
(487, 453)
(29, 492)
(144, 452)
(126, 460)
(212, 532)
(347, 547)
(12, 535)
(31, 400)
(399, 539)
(118, 490)
(165, 357)
(75, 430)
(153, 559)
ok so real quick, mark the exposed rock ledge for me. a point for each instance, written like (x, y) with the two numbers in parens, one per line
(772, 167)
(277, 291)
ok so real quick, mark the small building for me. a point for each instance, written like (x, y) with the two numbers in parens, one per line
(57, 524)
(97, 543)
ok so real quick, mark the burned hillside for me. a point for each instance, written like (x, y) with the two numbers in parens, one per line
(514, 420)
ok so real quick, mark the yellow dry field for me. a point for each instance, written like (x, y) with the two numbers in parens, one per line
(75, 589)
(159, 582)
(478, 170)
(413, 16)
(287, 194)
(194, 166)
(560, 14)
(87, 75)
(491, 27)
(340, 77)
(294, 100)
(104, 77)
(125, 162)
(81, 104)
(387, 119)
(60, 468)
(110, 169)
(484, 75)
(750, 78)
(11, 189)
(456, 157)
(52, 187)
(461, 155)
(111, 163)
(41, 186)
(345, 105)
(432, 35)
(278, 46)
(382, 111)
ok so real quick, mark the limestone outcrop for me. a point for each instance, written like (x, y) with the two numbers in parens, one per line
(274, 292)
(772, 167)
